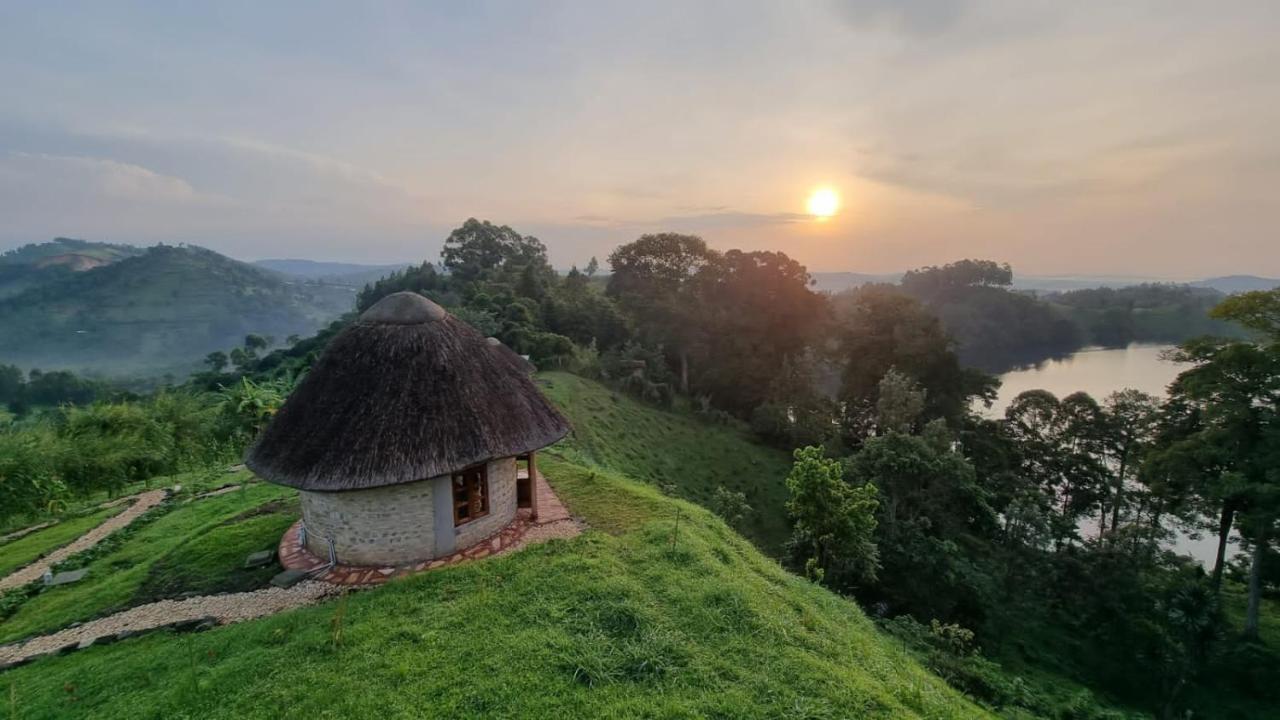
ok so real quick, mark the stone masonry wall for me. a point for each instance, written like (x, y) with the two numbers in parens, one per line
(395, 525)
(383, 526)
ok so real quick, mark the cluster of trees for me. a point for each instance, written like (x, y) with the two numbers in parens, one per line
(75, 451)
(994, 327)
(1152, 312)
(1052, 522)
(38, 388)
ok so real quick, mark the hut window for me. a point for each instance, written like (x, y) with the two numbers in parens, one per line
(470, 495)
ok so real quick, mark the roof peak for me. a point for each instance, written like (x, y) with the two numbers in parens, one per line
(403, 308)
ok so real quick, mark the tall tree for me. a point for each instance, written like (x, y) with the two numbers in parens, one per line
(1234, 387)
(653, 281)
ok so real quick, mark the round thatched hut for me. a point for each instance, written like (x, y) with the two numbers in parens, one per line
(405, 436)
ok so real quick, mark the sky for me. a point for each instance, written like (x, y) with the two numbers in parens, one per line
(1134, 138)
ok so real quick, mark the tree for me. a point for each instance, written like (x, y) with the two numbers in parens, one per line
(833, 522)
(900, 404)
(930, 509)
(1130, 426)
(876, 328)
(730, 505)
(653, 282)
(756, 311)
(217, 361)
(479, 249)
(1233, 393)
(1060, 453)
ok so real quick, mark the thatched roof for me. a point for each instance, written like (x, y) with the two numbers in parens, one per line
(405, 393)
(518, 361)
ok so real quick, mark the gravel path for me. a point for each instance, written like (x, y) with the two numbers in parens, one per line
(230, 608)
(142, 503)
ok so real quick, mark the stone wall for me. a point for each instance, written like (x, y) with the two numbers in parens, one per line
(395, 525)
(502, 505)
(383, 526)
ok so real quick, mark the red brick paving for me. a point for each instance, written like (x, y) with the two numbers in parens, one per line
(550, 510)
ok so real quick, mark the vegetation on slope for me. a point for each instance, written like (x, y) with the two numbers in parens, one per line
(25, 550)
(185, 547)
(158, 311)
(675, 450)
(614, 623)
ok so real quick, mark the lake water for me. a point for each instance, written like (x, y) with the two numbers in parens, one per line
(1100, 372)
(1097, 371)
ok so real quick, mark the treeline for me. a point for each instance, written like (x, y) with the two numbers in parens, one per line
(20, 391)
(54, 457)
(1158, 313)
(1045, 532)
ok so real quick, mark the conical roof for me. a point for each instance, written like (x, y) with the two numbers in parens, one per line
(405, 393)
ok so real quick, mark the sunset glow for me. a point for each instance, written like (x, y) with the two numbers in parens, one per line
(823, 203)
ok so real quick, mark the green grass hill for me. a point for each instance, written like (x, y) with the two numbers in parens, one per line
(675, 451)
(630, 619)
(158, 310)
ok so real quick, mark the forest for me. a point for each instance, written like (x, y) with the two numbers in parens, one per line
(1003, 551)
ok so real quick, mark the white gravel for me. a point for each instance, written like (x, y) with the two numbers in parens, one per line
(142, 503)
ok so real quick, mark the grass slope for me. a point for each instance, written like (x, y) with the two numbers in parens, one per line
(613, 623)
(195, 546)
(674, 449)
(27, 549)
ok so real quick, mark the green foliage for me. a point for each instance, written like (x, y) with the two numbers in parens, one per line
(79, 451)
(1165, 313)
(994, 329)
(27, 549)
(833, 522)
(877, 328)
(170, 551)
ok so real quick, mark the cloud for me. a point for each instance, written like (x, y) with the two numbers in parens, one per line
(922, 17)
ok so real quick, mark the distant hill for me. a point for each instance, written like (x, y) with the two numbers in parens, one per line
(149, 311)
(1238, 283)
(36, 264)
(338, 273)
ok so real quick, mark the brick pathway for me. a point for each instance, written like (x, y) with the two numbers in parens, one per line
(553, 521)
(142, 503)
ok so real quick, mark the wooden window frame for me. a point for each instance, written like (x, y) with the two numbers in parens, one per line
(475, 481)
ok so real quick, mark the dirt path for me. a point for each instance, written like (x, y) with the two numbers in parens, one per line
(230, 608)
(142, 503)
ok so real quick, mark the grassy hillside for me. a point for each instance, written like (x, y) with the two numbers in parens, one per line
(33, 265)
(674, 450)
(197, 546)
(161, 310)
(614, 623)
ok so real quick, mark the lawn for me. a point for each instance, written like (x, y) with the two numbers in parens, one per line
(674, 449)
(23, 551)
(190, 546)
(613, 623)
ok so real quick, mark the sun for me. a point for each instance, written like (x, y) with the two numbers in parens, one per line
(823, 203)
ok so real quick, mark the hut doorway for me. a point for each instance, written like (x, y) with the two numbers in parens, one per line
(526, 487)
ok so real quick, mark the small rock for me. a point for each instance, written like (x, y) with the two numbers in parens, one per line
(68, 648)
(126, 634)
(289, 578)
(66, 578)
(208, 622)
(260, 559)
(87, 642)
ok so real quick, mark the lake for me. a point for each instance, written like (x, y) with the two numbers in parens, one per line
(1100, 372)
(1097, 371)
